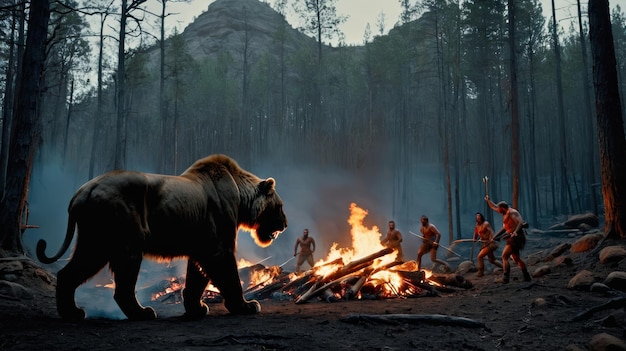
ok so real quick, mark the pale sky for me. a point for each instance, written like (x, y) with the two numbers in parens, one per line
(362, 12)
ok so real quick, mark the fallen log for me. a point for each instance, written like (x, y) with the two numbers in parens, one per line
(618, 302)
(436, 319)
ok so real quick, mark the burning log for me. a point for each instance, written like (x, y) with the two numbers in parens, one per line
(451, 280)
(265, 291)
(162, 290)
(337, 276)
(329, 295)
(359, 264)
(315, 289)
(354, 290)
(356, 287)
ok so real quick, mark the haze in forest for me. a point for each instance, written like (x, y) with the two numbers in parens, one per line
(370, 126)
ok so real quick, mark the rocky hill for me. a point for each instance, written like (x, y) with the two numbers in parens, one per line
(228, 25)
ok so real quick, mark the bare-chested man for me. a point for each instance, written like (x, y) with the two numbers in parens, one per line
(307, 247)
(393, 239)
(484, 232)
(512, 228)
(430, 242)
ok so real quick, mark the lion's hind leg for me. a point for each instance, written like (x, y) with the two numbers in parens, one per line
(80, 268)
(125, 268)
(225, 276)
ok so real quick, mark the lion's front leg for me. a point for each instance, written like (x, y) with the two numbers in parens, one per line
(195, 284)
(225, 276)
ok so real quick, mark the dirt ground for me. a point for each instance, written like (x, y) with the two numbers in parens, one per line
(517, 316)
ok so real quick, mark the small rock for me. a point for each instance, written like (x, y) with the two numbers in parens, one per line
(541, 271)
(582, 281)
(558, 251)
(589, 219)
(562, 261)
(586, 242)
(604, 341)
(616, 280)
(612, 254)
(538, 302)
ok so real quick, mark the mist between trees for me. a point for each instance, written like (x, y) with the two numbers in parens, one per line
(412, 121)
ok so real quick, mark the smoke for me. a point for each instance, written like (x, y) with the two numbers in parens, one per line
(319, 199)
(316, 198)
(51, 189)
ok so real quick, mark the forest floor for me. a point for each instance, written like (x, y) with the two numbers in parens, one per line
(534, 315)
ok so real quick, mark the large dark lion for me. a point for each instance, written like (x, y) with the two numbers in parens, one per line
(122, 216)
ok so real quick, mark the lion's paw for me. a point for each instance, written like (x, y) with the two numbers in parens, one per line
(197, 313)
(247, 307)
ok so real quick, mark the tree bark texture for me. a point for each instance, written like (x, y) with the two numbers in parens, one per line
(22, 145)
(612, 143)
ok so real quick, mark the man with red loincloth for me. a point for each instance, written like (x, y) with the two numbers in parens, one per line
(430, 243)
(484, 232)
(513, 230)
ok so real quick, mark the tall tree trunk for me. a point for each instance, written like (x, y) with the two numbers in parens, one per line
(22, 145)
(591, 165)
(609, 117)
(7, 106)
(162, 112)
(535, 204)
(98, 119)
(67, 122)
(120, 131)
(515, 144)
(563, 189)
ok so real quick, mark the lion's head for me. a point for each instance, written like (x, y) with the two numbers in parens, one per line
(260, 208)
(268, 218)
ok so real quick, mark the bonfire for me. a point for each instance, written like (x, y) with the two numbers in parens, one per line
(367, 270)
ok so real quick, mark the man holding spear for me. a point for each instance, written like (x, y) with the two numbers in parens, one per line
(430, 242)
(484, 232)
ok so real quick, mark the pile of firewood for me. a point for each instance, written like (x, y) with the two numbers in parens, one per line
(355, 280)
(346, 281)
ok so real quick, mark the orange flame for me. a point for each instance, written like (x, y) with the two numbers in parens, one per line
(365, 241)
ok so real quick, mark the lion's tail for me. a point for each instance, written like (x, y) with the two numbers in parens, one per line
(69, 235)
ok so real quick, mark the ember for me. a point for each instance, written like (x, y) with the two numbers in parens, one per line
(171, 290)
